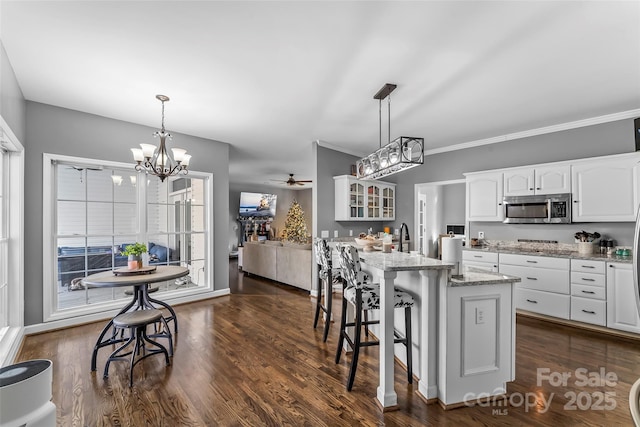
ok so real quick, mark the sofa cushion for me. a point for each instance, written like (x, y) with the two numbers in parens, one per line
(158, 252)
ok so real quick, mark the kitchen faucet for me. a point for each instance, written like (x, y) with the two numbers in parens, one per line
(406, 235)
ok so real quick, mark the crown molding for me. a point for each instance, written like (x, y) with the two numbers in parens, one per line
(340, 149)
(539, 131)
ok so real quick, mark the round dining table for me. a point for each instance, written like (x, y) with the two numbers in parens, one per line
(140, 280)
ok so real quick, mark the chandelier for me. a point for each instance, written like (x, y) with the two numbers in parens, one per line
(402, 153)
(158, 161)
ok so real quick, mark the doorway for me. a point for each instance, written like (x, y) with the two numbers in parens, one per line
(437, 205)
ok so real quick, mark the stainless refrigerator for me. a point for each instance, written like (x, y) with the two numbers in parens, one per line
(635, 253)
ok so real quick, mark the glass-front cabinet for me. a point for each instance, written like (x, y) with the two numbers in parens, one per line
(388, 203)
(356, 200)
(360, 200)
(373, 201)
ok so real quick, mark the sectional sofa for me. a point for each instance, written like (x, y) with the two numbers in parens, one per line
(74, 262)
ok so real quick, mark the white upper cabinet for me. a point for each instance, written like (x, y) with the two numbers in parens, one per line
(484, 196)
(552, 179)
(605, 189)
(360, 200)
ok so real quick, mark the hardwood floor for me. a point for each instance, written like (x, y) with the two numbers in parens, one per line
(252, 358)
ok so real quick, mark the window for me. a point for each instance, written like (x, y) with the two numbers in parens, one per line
(4, 252)
(98, 208)
(11, 243)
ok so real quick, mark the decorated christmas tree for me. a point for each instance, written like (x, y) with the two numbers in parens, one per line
(295, 228)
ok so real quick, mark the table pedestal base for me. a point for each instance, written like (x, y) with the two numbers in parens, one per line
(141, 301)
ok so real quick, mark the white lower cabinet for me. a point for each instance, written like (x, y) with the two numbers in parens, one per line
(547, 303)
(589, 310)
(487, 261)
(622, 312)
(544, 286)
(588, 292)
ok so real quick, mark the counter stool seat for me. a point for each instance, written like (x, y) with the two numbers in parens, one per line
(137, 322)
(366, 296)
(327, 276)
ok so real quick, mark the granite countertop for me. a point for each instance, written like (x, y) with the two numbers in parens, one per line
(477, 277)
(555, 253)
(401, 261)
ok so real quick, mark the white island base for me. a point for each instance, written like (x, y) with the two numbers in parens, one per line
(465, 346)
(476, 339)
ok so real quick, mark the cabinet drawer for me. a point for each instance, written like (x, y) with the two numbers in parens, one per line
(491, 257)
(586, 291)
(543, 302)
(540, 279)
(535, 261)
(587, 266)
(486, 266)
(589, 311)
(588, 279)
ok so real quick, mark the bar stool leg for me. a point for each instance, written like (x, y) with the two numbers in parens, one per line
(328, 302)
(408, 343)
(318, 303)
(343, 326)
(356, 345)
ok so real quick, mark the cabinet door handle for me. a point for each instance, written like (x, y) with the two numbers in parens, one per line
(537, 188)
(588, 292)
(532, 301)
(575, 201)
(588, 311)
(531, 189)
(532, 262)
(587, 266)
(532, 278)
(611, 266)
(477, 256)
(588, 280)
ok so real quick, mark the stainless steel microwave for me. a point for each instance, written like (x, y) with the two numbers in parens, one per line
(542, 209)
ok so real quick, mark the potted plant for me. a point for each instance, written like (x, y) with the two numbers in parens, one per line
(134, 252)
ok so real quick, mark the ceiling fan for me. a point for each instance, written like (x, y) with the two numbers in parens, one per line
(292, 181)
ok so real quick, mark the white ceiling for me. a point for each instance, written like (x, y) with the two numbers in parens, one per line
(271, 77)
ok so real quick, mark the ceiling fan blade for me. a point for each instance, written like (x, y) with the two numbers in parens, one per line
(304, 181)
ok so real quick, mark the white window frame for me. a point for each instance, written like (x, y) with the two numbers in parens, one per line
(14, 200)
(96, 311)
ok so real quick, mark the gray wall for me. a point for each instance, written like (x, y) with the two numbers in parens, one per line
(453, 201)
(332, 163)
(12, 103)
(60, 131)
(591, 141)
(283, 203)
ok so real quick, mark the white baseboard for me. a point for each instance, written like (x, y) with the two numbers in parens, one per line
(80, 320)
(10, 346)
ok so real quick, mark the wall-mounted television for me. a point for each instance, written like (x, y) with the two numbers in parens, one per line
(257, 205)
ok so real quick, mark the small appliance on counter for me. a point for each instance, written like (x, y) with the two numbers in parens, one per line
(452, 253)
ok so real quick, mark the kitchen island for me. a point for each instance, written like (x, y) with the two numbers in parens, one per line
(466, 340)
